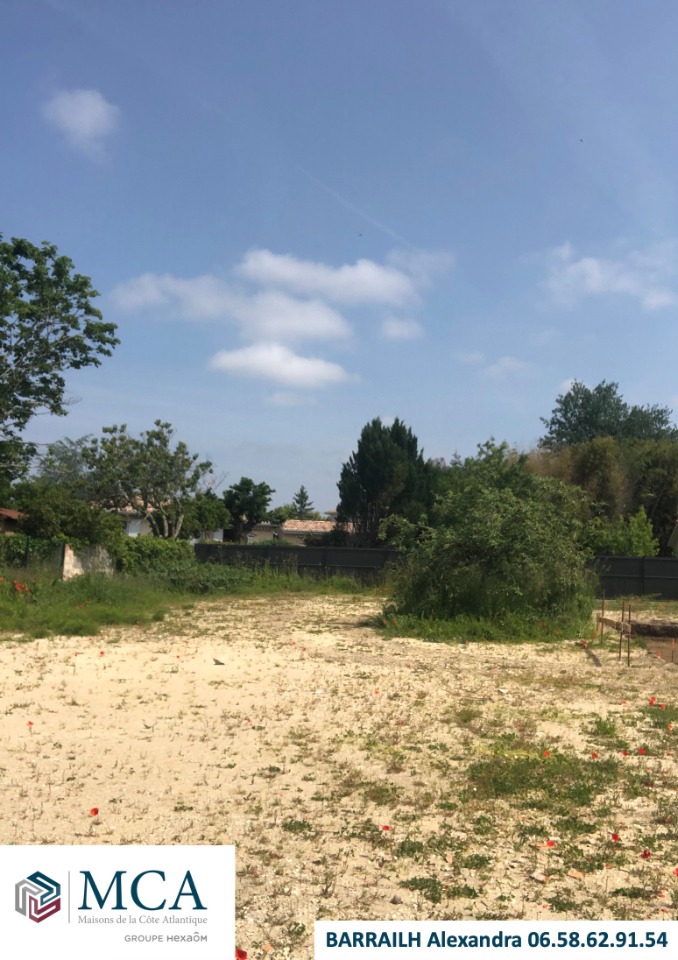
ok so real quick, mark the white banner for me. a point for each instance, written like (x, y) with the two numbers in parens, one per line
(104, 903)
(498, 940)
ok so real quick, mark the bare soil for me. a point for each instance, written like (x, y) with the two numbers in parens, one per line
(341, 764)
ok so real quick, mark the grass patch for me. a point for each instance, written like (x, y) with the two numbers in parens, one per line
(41, 606)
(429, 887)
(540, 782)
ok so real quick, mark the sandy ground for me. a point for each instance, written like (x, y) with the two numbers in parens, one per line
(314, 736)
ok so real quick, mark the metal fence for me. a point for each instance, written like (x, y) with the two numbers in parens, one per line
(638, 576)
(368, 566)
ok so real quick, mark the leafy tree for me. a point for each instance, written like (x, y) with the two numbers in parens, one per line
(247, 502)
(64, 464)
(303, 508)
(54, 512)
(582, 414)
(47, 325)
(203, 513)
(278, 515)
(145, 474)
(502, 541)
(385, 476)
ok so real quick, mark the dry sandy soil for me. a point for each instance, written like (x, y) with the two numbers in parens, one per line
(353, 772)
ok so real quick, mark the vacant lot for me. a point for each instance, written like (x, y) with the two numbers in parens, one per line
(360, 777)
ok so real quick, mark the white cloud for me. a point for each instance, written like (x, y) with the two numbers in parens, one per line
(361, 282)
(507, 366)
(395, 329)
(646, 276)
(267, 315)
(275, 315)
(272, 361)
(85, 118)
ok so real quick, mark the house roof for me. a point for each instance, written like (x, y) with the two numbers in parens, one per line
(10, 514)
(308, 526)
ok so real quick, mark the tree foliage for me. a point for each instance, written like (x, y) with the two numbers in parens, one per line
(64, 464)
(502, 541)
(303, 507)
(582, 414)
(247, 502)
(145, 474)
(624, 537)
(203, 513)
(385, 476)
(48, 324)
(54, 512)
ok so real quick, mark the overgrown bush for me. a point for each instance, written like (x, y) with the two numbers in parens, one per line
(16, 549)
(502, 543)
(153, 555)
(626, 537)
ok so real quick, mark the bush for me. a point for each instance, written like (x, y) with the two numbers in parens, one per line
(504, 543)
(152, 555)
(626, 537)
(15, 549)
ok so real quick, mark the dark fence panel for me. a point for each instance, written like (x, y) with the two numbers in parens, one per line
(364, 565)
(638, 576)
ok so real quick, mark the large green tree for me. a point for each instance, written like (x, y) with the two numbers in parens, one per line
(385, 476)
(48, 324)
(146, 474)
(247, 502)
(582, 414)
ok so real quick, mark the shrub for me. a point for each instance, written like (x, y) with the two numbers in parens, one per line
(153, 555)
(503, 543)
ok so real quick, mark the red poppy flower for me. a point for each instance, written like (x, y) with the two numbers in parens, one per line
(94, 812)
(101, 653)
(646, 854)
(240, 954)
(642, 750)
(550, 843)
(30, 723)
(386, 828)
(662, 706)
(615, 837)
(675, 872)
(594, 755)
(625, 753)
(653, 700)
(547, 753)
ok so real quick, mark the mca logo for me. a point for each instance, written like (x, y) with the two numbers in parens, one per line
(37, 897)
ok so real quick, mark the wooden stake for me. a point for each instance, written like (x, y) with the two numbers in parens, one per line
(628, 648)
(621, 634)
(673, 647)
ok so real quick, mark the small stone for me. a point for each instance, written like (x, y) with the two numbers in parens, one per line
(396, 899)
(539, 877)
(575, 874)
(503, 689)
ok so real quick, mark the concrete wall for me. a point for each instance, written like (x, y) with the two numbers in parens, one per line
(87, 560)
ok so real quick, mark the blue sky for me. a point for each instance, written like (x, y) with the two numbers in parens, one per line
(304, 215)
